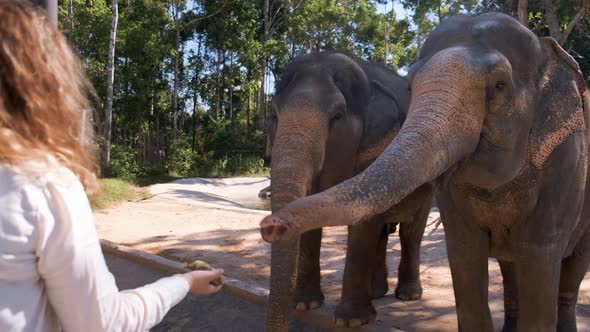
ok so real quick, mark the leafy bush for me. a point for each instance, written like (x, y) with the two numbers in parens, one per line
(123, 162)
(244, 164)
(180, 160)
(230, 165)
(152, 175)
(221, 149)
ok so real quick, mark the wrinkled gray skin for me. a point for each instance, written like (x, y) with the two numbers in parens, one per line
(496, 118)
(332, 116)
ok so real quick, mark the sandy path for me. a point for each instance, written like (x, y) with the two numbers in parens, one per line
(212, 219)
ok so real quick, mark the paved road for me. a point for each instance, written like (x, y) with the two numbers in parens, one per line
(220, 312)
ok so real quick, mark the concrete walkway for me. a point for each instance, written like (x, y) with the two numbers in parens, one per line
(220, 312)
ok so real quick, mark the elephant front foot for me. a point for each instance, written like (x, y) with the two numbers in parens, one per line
(354, 315)
(409, 291)
(308, 299)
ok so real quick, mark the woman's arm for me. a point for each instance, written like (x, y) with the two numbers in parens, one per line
(80, 288)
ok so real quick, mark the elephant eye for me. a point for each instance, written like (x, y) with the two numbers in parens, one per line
(337, 117)
(500, 85)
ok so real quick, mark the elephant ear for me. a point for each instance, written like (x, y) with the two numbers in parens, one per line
(385, 114)
(561, 108)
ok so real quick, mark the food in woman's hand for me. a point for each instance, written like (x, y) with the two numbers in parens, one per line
(200, 265)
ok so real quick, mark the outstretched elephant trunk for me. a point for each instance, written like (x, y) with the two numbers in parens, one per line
(443, 126)
(296, 159)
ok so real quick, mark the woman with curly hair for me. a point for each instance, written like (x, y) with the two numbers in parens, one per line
(53, 275)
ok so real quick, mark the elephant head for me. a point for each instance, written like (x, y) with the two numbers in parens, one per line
(317, 105)
(316, 128)
(489, 100)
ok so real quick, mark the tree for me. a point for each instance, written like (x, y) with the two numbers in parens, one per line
(194, 77)
(523, 15)
(554, 23)
(106, 149)
(429, 13)
(176, 7)
(274, 14)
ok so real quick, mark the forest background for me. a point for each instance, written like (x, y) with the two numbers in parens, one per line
(183, 86)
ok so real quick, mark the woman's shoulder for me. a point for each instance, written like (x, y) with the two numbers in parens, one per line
(36, 175)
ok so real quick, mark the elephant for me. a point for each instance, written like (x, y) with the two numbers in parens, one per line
(332, 115)
(498, 119)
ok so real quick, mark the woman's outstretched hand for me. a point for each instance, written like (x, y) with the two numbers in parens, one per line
(200, 281)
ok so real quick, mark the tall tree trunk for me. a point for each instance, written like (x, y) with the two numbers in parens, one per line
(158, 140)
(222, 111)
(386, 37)
(264, 64)
(267, 89)
(71, 15)
(256, 101)
(106, 150)
(292, 50)
(195, 107)
(523, 14)
(175, 89)
(231, 87)
(418, 38)
(195, 94)
(218, 104)
(248, 113)
(262, 97)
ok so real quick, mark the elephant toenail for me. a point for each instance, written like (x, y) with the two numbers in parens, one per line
(301, 306)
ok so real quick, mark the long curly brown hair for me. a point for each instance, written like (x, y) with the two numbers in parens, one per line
(43, 95)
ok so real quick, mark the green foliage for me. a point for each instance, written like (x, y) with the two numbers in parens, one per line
(220, 158)
(181, 159)
(230, 165)
(220, 51)
(123, 162)
(152, 175)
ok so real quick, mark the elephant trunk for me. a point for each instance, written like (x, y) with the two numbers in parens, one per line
(294, 162)
(442, 127)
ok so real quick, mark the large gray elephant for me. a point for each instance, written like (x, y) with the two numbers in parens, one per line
(497, 119)
(332, 115)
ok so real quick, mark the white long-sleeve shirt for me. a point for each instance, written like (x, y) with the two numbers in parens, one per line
(53, 275)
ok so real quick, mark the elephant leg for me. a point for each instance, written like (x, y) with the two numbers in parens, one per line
(355, 308)
(537, 273)
(379, 284)
(468, 250)
(308, 292)
(510, 296)
(573, 270)
(411, 231)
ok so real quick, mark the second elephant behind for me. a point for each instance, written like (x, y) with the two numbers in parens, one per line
(332, 115)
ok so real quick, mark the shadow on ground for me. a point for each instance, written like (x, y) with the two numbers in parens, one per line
(203, 219)
(220, 312)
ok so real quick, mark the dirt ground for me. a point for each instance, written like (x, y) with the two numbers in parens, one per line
(216, 220)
